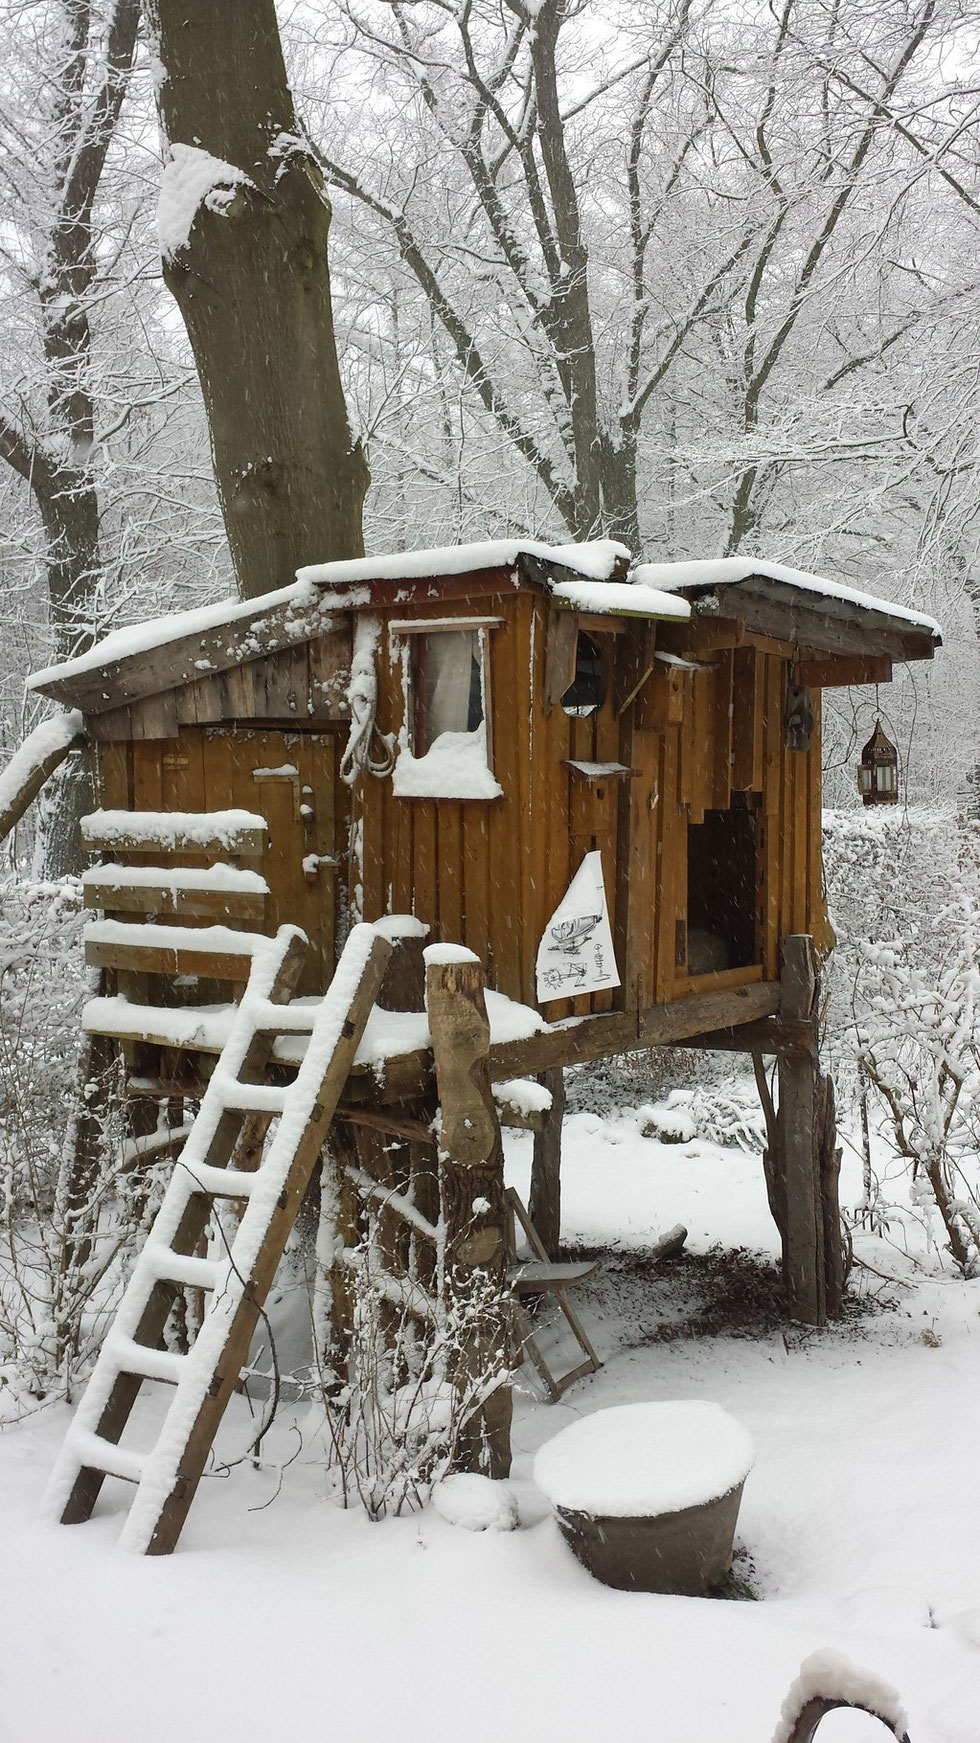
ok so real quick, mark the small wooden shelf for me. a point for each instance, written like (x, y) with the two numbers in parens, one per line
(593, 772)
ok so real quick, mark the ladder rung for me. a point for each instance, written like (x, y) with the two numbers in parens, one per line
(293, 1019)
(133, 1358)
(95, 1454)
(253, 1098)
(216, 1182)
(186, 1269)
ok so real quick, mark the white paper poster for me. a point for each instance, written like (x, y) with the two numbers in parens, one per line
(576, 953)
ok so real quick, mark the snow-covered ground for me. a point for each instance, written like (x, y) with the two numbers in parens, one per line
(282, 1616)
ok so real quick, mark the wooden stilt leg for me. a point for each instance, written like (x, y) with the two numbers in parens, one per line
(544, 1203)
(808, 1157)
(472, 1158)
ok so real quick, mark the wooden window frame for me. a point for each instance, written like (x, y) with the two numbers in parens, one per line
(405, 630)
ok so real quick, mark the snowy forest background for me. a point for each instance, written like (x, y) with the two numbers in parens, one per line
(699, 276)
(766, 341)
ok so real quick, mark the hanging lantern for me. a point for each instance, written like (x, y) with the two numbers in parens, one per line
(878, 770)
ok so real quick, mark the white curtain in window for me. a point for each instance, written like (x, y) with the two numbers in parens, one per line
(448, 673)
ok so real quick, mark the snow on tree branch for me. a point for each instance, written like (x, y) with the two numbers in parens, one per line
(192, 178)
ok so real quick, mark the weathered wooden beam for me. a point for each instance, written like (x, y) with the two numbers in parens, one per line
(835, 674)
(544, 1202)
(283, 623)
(397, 1125)
(799, 978)
(472, 1158)
(769, 1035)
(157, 833)
(161, 958)
(581, 1039)
(634, 665)
(559, 656)
(162, 898)
(803, 1259)
(702, 635)
(404, 983)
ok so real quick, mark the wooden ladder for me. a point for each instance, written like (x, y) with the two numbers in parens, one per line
(237, 1282)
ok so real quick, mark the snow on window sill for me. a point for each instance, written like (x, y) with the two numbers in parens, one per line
(454, 767)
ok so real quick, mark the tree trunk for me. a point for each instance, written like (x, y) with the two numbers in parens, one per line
(252, 284)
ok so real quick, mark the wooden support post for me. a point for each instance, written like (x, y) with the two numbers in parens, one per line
(807, 1157)
(472, 1166)
(333, 1297)
(835, 1269)
(544, 1203)
(404, 983)
(803, 1242)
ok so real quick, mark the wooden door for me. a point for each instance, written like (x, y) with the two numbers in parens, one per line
(289, 779)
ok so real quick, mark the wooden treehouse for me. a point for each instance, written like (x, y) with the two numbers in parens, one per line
(604, 784)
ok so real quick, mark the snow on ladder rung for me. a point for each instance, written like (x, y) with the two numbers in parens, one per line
(216, 1182)
(253, 1098)
(187, 1269)
(131, 1357)
(96, 1454)
(292, 1019)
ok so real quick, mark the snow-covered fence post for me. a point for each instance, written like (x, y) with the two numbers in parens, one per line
(472, 1178)
(807, 1156)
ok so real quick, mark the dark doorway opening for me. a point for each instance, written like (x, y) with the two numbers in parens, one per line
(721, 889)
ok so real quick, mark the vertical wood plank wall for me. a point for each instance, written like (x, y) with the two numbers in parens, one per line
(490, 874)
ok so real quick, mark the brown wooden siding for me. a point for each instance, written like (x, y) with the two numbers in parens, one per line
(490, 873)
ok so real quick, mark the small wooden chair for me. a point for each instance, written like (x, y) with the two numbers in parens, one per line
(542, 1276)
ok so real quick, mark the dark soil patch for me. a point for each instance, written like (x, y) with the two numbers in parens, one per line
(726, 1292)
(741, 1583)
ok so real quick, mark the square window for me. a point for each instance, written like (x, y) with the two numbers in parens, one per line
(444, 744)
(446, 685)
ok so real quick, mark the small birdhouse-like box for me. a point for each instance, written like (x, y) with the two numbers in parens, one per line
(878, 770)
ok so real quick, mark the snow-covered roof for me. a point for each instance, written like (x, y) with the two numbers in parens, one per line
(156, 632)
(166, 652)
(728, 571)
(594, 559)
(304, 609)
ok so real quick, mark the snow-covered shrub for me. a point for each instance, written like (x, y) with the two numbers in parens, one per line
(42, 988)
(726, 1113)
(61, 1226)
(393, 1427)
(903, 1009)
